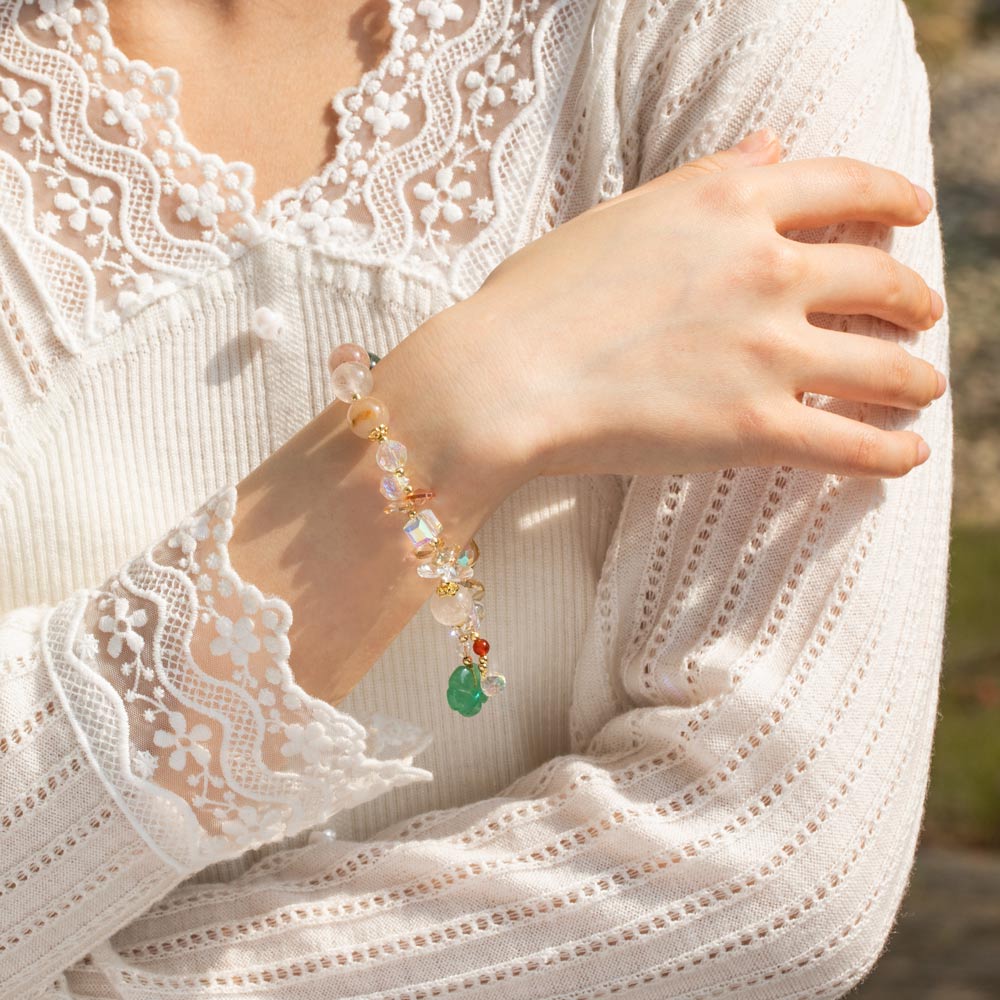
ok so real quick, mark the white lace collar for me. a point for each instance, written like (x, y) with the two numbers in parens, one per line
(112, 207)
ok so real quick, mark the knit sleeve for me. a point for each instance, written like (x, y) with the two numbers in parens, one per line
(153, 726)
(755, 696)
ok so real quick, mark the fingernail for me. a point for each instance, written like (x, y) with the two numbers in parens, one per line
(923, 452)
(942, 385)
(937, 306)
(923, 196)
(757, 141)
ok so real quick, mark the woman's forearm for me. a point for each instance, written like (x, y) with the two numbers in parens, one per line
(310, 528)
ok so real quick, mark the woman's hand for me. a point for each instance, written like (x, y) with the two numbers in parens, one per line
(666, 331)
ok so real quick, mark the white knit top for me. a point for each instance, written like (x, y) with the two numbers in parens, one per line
(707, 773)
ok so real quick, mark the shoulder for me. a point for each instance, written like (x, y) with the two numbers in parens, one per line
(694, 76)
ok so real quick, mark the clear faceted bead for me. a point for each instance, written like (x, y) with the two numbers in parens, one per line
(391, 455)
(422, 526)
(494, 683)
(394, 487)
(479, 609)
(350, 379)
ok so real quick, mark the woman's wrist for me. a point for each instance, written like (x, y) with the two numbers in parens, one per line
(309, 524)
(452, 405)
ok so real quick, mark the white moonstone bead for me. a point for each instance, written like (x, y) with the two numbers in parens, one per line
(451, 609)
(350, 379)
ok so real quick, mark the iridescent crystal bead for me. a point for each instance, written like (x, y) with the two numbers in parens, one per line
(422, 527)
(391, 455)
(441, 565)
(450, 609)
(394, 487)
(469, 554)
(366, 414)
(476, 588)
(351, 379)
(494, 684)
(479, 610)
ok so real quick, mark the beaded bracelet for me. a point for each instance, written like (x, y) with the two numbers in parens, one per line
(457, 602)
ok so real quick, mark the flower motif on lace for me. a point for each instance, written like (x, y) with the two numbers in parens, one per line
(127, 109)
(18, 108)
(146, 289)
(235, 639)
(184, 742)
(310, 742)
(144, 763)
(251, 826)
(439, 11)
(122, 625)
(482, 210)
(488, 86)
(57, 15)
(385, 112)
(189, 533)
(84, 205)
(523, 91)
(442, 196)
(322, 219)
(202, 202)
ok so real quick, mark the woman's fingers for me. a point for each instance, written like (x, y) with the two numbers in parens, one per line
(846, 278)
(866, 369)
(811, 438)
(801, 194)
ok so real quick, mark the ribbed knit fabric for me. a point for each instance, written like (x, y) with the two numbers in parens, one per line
(708, 771)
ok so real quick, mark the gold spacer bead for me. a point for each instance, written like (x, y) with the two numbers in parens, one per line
(407, 489)
(467, 661)
(447, 587)
(379, 433)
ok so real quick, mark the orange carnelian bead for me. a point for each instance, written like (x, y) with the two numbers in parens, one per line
(480, 647)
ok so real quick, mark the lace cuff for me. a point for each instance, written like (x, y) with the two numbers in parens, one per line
(176, 675)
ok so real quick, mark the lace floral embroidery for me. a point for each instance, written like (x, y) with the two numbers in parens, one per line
(215, 726)
(112, 183)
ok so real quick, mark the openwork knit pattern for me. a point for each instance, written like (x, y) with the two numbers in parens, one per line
(707, 775)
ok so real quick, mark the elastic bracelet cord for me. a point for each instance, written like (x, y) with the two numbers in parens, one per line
(457, 601)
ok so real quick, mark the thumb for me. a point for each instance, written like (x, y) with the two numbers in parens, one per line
(756, 149)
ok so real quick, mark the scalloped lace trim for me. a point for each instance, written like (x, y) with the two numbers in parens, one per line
(114, 208)
(176, 674)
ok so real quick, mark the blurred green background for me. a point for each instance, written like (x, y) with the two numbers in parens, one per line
(946, 942)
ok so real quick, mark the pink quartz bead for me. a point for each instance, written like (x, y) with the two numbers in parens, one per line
(366, 414)
(348, 352)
